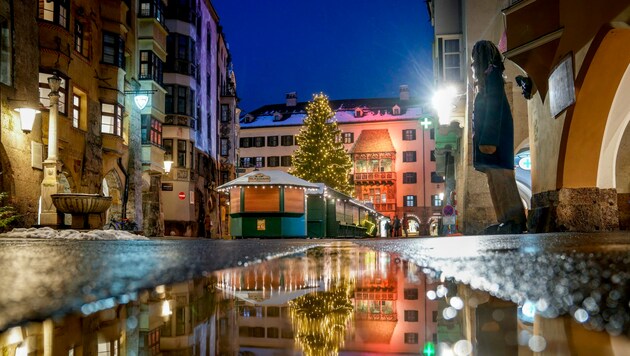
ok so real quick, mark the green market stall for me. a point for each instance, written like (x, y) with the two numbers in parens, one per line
(267, 204)
(334, 214)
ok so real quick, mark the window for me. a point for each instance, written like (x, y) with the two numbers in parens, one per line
(55, 11)
(246, 162)
(411, 315)
(225, 147)
(151, 131)
(432, 155)
(181, 55)
(245, 142)
(225, 177)
(411, 293)
(435, 199)
(432, 134)
(409, 178)
(287, 334)
(181, 153)
(150, 66)
(272, 141)
(273, 333)
(259, 141)
(285, 161)
(273, 161)
(6, 44)
(260, 162)
(273, 312)
(348, 137)
(435, 178)
(409, 156)
(286, 140)
(152, 8)
(44, 90)
(168, 148)
(111, 119)
(184, 10)
(225, 113)
(80, 44)
(76, 110)
(411, 338)
(177, 99)
(113, 49)
(409, 135)
(449, 62)
(410, 200)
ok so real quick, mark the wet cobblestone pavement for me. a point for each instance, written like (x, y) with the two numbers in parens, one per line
(584, 277)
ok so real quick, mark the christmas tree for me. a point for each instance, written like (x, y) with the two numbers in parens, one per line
(321, 156)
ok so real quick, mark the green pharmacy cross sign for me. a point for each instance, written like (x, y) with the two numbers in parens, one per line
(425, 123)
(429, 349)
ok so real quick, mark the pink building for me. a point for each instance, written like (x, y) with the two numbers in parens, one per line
(391, 141)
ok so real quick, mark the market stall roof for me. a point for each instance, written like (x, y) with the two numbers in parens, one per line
(268, 178)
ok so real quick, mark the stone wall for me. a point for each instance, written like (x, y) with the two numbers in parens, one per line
(574, 209)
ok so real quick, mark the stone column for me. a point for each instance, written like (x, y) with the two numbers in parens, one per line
(50, 184)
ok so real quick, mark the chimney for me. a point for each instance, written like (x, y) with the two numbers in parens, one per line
(404, 93)
(292, 99)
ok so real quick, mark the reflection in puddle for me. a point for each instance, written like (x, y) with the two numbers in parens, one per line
(331, 300)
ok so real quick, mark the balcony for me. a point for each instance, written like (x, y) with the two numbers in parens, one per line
(385, 207)
(180, 120)
(375, 178)
(113, 144)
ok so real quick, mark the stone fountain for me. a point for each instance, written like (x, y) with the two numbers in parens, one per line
(86, 209)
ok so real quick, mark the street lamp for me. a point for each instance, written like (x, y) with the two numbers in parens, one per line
(444, 103)
(50, 184)
(168, 163)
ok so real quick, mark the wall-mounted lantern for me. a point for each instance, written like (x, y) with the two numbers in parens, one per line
(27, 118)
(168, 163)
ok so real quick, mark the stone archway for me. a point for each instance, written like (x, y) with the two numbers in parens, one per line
(593, 127)
(112, 187)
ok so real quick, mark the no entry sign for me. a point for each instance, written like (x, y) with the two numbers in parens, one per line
(182, 195)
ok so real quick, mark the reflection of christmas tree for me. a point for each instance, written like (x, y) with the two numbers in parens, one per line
(320, 319)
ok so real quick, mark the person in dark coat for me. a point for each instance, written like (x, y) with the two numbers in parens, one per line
(493, 138)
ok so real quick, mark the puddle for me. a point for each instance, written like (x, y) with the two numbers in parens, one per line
(338, 299)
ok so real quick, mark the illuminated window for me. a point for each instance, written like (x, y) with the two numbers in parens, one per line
(436, 200)
(151, 131)
(409, 135)
(76, 110)
(152, 8)
(410, 200)
(55, 11)
(260, 162)
(80, 43)
(348, 137)
(111, 119)
(449, 60)
(44, 90)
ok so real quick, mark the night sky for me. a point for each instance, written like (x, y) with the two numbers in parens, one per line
(344, 48)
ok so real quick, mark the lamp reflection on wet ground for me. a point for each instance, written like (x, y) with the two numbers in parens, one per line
(333, 299)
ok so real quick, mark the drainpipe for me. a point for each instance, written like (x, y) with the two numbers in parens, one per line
(125, 195)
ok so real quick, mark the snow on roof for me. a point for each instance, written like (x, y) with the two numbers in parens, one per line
(268, 178)
(48, 233)
(342, 117)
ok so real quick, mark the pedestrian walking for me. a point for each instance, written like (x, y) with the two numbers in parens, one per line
(388, 229)
(405, 225)
(493, 138)
(396, 226)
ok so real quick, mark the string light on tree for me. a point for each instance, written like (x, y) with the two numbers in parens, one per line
(321, 156)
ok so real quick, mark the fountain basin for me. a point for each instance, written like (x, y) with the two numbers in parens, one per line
(81, 203)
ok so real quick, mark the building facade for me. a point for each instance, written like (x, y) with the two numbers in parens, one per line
(566, 86)
(135, 85)
(390, 140)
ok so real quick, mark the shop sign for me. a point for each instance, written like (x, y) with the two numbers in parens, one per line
(259, 178)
